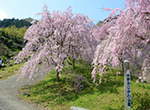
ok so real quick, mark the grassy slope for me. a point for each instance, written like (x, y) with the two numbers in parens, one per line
(61, 96)
(9, 71)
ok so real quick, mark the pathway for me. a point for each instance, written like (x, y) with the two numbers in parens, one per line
(9, 91)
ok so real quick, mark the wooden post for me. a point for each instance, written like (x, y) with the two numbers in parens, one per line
(127, 90)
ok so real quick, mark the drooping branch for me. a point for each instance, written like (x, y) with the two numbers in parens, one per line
(58, 37)
(129, 34)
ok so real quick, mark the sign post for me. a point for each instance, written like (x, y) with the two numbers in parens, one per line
(127, 87)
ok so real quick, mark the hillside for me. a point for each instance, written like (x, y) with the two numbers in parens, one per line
(11, 36)
(100, 23)
(16, 22)
(28, 19)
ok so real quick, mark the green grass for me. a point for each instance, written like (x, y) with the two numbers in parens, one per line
(61, 95)
(9, 71)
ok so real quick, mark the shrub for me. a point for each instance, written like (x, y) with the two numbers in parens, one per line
(10, 43)
(80, 82)
(5, 41)
(2, 38)
(141, 101)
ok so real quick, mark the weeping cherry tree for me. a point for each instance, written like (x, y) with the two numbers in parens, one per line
(55, 39)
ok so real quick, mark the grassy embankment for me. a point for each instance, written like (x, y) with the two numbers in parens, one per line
(108, 95)
(9, 71)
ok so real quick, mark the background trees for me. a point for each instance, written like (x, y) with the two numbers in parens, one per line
(12, 37)
(56, 39)
(15, 22)
(11, 41)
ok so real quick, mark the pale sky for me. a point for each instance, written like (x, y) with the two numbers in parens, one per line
(28, 8)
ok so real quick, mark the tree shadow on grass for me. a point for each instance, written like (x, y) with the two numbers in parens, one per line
(57, 91)
(111, 85)
(63, 91)
(50, 91)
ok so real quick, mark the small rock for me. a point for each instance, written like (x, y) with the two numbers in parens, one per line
(11, 65)
(3, 66)
(15, 63)
(26, 94)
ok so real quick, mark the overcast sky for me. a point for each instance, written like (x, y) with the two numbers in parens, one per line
(28, 8)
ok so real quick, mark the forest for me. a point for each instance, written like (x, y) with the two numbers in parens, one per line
(11, 36)
(16, 22)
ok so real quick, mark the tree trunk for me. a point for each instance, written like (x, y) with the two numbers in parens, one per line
(122, 63)
(57, 77)
(73, 64)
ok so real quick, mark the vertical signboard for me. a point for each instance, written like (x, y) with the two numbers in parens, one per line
(128, 90)
(127, 86)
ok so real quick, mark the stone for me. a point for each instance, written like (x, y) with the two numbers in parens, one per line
(77, 108)
(11, 65)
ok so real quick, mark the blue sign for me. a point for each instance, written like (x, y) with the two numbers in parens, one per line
(128, 90)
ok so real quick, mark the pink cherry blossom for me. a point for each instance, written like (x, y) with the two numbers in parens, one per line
(56, 38)
(125, 36)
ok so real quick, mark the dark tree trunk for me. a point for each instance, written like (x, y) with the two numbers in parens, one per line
(73, 64)
(121, 59)
(122, 63)
(57, 77)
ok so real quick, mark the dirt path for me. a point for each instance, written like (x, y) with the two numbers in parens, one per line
(9, 91)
